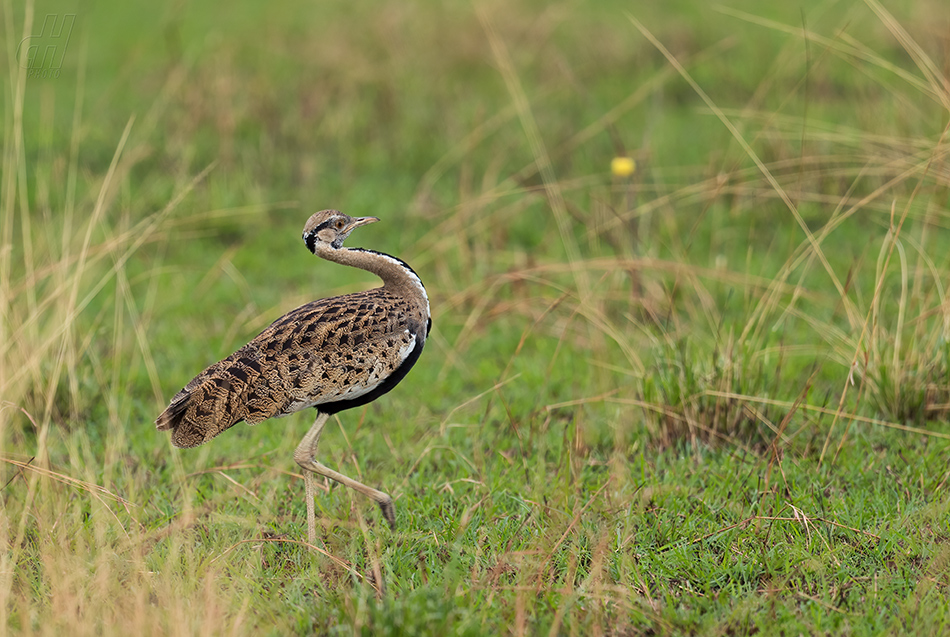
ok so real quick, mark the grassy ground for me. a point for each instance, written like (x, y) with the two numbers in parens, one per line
(709, 397)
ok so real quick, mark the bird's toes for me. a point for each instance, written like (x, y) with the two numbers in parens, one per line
(389, 512)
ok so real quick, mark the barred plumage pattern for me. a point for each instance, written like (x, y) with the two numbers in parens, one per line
(322, 353)
(331, 354)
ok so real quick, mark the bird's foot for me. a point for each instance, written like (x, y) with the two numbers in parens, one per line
(389, 511)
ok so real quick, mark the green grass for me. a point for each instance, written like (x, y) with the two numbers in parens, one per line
(710, 398)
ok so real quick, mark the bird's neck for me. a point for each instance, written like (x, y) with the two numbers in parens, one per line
(396, 274)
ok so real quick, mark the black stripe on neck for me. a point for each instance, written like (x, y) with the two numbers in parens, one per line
(310, 238)
(389, 256)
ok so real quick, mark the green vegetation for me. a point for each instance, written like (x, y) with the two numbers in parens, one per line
(709, 397)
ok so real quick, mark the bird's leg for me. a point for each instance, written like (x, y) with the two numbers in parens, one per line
(306, 455)
(310, 442)
(311, 514)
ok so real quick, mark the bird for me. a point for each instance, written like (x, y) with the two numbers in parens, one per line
(330, 354)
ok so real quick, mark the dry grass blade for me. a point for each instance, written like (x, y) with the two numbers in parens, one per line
(56, 476)
(836, 413)
(538, 148)
(850, 49)
(939, 84)
(737, 135)
(891, 244)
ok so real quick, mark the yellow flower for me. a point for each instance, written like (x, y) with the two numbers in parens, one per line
(622, 166)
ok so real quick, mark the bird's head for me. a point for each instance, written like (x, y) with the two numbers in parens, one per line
(331, 228)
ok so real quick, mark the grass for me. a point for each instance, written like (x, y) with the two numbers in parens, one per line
(710, 397)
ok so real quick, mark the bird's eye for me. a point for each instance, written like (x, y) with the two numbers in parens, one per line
(339, 224)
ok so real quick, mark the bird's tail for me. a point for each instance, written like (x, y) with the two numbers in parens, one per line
(215, 400)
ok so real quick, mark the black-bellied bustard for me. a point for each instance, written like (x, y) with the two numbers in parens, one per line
(332, 354)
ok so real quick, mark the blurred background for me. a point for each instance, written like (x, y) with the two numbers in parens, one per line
(765, 279)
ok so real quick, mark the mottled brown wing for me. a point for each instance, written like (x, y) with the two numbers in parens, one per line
(335, 348)
(320, 352)
(213, 401)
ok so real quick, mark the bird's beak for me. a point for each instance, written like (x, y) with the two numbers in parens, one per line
(360, 221)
